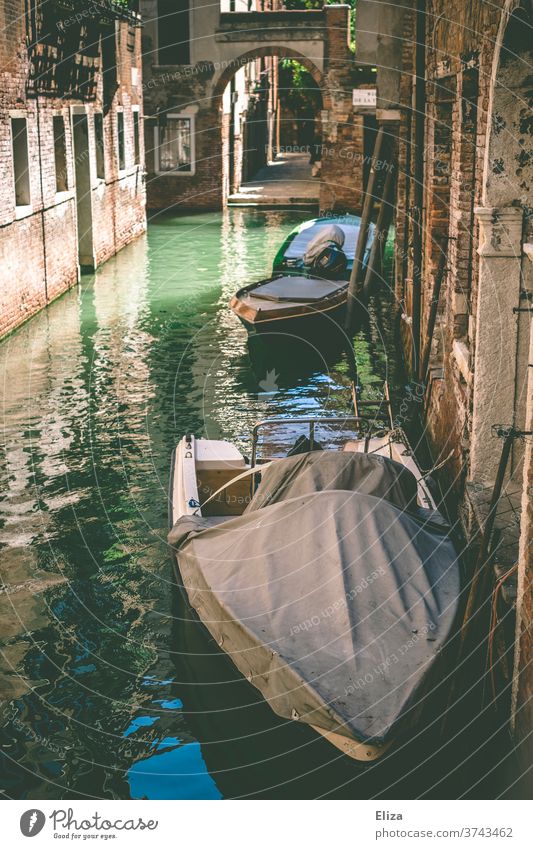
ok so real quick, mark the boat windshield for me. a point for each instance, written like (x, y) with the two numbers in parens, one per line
(298, 246)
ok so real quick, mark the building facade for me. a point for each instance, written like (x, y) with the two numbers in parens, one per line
(194, 61)
(71, 145)
(464, 214)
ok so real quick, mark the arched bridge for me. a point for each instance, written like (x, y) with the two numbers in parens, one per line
(305, 32)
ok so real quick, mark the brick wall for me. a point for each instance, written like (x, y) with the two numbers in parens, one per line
(183, 90)
(480, 169)
(342, 167)
(404, 192)
(460, 46)
(39, 244)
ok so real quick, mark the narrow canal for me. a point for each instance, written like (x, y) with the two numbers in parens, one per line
(108, 690)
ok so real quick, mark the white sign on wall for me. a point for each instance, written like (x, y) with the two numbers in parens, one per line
(364, 97)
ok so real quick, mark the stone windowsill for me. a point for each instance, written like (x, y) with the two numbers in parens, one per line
(131, 171)
(23, 211)
(176, 173)
(61, 197)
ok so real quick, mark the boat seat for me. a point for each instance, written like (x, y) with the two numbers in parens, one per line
(378, 444)
(232, 500)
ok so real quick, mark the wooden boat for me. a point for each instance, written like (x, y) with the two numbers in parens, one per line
(291, 304)
(333, 586)
(310, 292)
(297, 300)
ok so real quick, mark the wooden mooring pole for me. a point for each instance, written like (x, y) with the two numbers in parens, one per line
(418, 178)
(368, 207)
(480, 583)
(434, 308)
(381, 232)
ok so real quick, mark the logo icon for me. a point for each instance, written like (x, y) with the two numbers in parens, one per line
(270, 383)
(32, 822)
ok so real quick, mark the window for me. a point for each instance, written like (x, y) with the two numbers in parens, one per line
(121, 148)
(174, 145)
(136, 140)
(60, 154)
(173, 32)
(19, 133)
(99, 144)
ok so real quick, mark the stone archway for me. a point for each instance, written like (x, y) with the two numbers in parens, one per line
(223, 77)
(249, 145)
(191, 94)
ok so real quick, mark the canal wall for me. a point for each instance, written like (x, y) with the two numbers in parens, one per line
(71, 150)
(478, 188)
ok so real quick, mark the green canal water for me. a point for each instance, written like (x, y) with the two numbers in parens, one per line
(108, 688)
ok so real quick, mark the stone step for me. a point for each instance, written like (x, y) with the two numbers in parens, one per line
(269, 200)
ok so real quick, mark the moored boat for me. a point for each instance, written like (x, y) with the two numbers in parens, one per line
(290, 256)
(291, 304)
(296, 303)
(308, 290)
(333, 586)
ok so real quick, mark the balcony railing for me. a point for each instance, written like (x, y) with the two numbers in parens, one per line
(63, 39)
(101, 11)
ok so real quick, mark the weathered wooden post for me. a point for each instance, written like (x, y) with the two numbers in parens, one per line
(382, 230)
(368, 207)
(418, 193)
(434, 308)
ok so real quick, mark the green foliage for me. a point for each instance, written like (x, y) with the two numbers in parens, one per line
(298, 89)
(305, 4)
(314, 4)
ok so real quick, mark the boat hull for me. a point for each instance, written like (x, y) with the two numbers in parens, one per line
(300, 306)
(310, 323)
(188, 588)
(356, 750)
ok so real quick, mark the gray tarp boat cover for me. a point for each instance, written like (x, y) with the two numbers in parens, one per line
(328, 234)
(297, 289)
(333, 593)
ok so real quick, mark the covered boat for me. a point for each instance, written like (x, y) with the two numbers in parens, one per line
(335, 590)
(290, 256)
(297, 302)
(308, 290)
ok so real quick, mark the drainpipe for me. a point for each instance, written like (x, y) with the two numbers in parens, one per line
(418, 175)
(43, 228)
(231, 140)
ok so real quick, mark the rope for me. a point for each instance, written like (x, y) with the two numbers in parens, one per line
(436, 467)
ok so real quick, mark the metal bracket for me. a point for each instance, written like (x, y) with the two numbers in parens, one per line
(505, 431)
